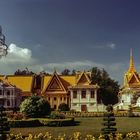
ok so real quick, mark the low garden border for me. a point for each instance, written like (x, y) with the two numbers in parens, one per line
(41, 122)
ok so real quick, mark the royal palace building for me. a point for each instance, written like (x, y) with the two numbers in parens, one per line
(130, 91)
(76, 91)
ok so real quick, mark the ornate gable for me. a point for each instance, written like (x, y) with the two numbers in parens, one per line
(133, 79)
(55, 84)
(83, 79)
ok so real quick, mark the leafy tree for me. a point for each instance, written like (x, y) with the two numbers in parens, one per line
(73, 72)
(63, 107)
(65, 72)
(108, 92)
(23, 72)
(35, 106)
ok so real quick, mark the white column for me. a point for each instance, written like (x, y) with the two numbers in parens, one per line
(88, 95)
(95, 92)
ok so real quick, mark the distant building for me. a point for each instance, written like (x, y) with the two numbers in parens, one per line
(26, 83)
(130, 91)
(10, 96)
(74, 90)
(83, 94)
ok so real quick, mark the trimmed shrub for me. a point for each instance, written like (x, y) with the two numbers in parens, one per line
(57, 115)
(4, 126)
(63, 107)
(25, 123)
(35, 106)
(41, 122)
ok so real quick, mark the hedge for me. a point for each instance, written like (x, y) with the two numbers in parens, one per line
(25, 123)
(41, 122)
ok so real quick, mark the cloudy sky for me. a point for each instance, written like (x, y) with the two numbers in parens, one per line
(74, 34)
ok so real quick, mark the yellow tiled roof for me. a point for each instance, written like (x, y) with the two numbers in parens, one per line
(22, 82)
(70, 79)
(46, 81)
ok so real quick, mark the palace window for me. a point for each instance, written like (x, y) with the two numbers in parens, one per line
(75, 94)
(8, 93)
(49, 98)
(83, 93)
(8, 103)
(54, 98)
(0, 92)
(64, 98)
(54, 106)
(92, 94)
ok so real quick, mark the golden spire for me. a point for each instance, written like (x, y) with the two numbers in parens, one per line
(131, 65)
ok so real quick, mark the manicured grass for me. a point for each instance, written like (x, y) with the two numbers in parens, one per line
(85, 126)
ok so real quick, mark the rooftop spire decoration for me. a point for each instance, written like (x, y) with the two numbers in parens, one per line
(131, 65)
(3, 46)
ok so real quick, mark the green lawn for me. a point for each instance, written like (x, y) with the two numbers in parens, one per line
(86, 126)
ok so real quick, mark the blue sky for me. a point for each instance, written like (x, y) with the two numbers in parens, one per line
(74, 34)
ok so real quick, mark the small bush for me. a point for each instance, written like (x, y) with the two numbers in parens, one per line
(57, 115)
(63, 107)
(35, 107)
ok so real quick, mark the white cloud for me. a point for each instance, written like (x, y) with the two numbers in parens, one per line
(18, 58)
(115, 70)
(112, 45)
(77, 65)
(105, 46)
(17, 55)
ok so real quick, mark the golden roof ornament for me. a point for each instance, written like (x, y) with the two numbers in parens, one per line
(131, 65)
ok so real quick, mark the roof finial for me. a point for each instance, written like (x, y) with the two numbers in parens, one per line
(131, 65)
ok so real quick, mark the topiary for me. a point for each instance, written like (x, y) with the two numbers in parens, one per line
(4, 125)
(35, 106)
(109, 122)
(63, 107)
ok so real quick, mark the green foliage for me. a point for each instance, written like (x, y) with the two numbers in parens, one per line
(25, 123)
(41, 122)
(57, 115)
(109, 122)
(63, 107)
(65, 72)
(35, 106)
(108, 87)
(4, 126)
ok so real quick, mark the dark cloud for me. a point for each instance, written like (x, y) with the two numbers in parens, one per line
(73, 30)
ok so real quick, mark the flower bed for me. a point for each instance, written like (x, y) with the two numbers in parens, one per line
(75, 136)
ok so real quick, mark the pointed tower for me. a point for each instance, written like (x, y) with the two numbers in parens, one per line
(131, 65)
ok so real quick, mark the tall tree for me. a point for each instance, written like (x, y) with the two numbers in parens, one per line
(109, 88)
(65, 72)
